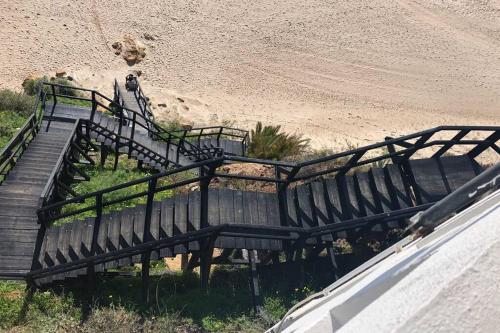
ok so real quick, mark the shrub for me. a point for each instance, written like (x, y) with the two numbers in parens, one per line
(268, 142)
(31, 86)
(19, 103)
(9, 124)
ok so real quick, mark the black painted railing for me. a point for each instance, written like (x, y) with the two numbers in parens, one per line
(56, 188)
(285, 173)
(399, 150)
(198, 134)
(135, 122)
(19, 142)
(191, 134)
(141, 99)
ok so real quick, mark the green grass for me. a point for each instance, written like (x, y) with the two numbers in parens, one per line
(31, 86)
(10, 122)
(71, 101)
(102, 178)
(178, 305)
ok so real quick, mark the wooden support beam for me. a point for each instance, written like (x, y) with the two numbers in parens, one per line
(275, 257)
(254, 281)
(104, 154)
(193, 262)
(145, 277)
(298, 263)
(206, 253)
(184, 261)
(314, 251)
(333, 261)
(146, 257)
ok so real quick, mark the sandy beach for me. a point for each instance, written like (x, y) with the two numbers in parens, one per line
(335, 71)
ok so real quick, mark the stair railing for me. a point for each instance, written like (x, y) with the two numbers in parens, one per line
(217, 132)
(57, 188)
(11, 152)
(369, 155)
(285, 173)
(128, 117)
(192, 133)
(141, 99)
(469, 192)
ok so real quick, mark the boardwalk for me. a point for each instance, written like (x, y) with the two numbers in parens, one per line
(313, 212)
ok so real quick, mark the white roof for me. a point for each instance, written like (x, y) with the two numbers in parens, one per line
(447, 281)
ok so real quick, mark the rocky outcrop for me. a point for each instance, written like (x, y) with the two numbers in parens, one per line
(130, 49)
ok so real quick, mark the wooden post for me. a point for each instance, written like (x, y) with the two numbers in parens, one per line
(298, 263)
(184, 261)
(206, 253)
(117, 142)
(333, 261)
(132, 133)
(145, 277)
(193, 262)
(146, 257)
(275, 257)
(104, 154)
(254, 281)
(93, 246)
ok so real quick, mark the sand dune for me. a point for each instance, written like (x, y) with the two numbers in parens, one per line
(332, 70)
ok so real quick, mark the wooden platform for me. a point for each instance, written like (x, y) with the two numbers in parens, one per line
(318, 203)
(69, 113)
(354, 203)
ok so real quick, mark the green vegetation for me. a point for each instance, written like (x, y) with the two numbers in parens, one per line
(178, 305)
(268, 142)
(15, 108)
(71, 101)
(19, 103)
(101, 178)
(10, 122)
(171, 125)
(31, 86)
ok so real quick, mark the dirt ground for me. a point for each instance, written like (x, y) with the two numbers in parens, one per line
(334, 71)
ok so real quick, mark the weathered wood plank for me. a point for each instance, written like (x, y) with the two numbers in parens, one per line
(366, 200)
(458, 170)
(226, 213)
(239, 217)
(166, 224)
(181, 216)
(262, 216)
(398, 186)
(320, 206)
(126, 234)
(194, 214)
(138, 235)
(429, 180)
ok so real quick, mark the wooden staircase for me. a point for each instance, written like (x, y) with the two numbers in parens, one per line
(20, 195)
(336, 201)
(314, 203)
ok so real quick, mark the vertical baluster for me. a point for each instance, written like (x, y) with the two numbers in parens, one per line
(117, 142)
(199, 138)
(219, 135)
(93, 247)
(94, 107)
(147, 238)
(54, 103)
(132, 134)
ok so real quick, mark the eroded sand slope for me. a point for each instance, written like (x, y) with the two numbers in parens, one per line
(333, 70)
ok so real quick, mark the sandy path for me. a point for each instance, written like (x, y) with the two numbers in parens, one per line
(332, 70)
